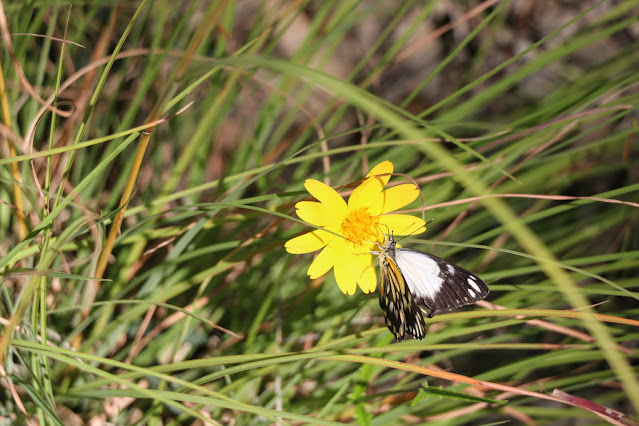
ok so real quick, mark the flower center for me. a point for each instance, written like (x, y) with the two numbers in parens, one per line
(360, 227)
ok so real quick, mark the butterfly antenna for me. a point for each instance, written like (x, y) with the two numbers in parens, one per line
(389, 231)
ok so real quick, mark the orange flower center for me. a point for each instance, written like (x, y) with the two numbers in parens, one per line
(360, 227)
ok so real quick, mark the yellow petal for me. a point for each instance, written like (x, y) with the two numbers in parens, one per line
(380, 169)
(322, 264)
(399, 196)
(403, 224)
(318, 214)
(353, 267)
(368, 194)
(308, 242)
(345, 274)
(326, 195)
(368, 278)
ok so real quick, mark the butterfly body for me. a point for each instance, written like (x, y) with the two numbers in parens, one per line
(411, 278)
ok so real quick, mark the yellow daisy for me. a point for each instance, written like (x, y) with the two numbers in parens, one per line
(356, 227)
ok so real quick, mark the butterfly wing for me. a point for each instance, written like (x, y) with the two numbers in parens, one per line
(436, 284)
(401, 313)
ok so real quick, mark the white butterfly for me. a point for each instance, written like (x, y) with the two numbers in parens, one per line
(410, 278)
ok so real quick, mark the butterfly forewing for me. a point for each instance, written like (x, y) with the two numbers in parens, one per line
(436, 284)
(401, 313)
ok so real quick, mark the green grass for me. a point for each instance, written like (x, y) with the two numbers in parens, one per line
(142, 229)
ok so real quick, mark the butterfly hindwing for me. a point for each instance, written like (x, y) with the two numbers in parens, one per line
(401, 313)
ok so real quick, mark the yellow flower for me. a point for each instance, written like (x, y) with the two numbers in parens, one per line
(356, 227)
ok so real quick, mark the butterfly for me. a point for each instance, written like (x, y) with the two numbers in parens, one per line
(411, 278)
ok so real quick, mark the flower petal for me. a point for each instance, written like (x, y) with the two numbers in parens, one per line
(345, 275)
(308, 242)
(380, 169)
(368, 278)
(326, 195)
(322, 263)
(318, 214)
(398, 197)
(403, 224)
(368, 194)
